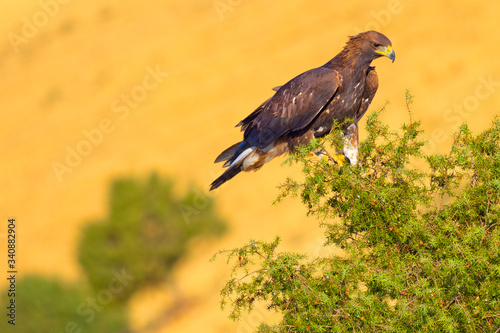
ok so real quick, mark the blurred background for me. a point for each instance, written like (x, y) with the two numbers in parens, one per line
(112, 115)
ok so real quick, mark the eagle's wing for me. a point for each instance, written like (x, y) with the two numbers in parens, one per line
(293, 107)
(245, 122)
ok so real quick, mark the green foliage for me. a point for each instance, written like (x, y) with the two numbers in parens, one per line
(49, 306)
(422, 245)
(145, 234)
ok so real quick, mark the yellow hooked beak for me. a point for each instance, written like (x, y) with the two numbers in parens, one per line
(387, 51)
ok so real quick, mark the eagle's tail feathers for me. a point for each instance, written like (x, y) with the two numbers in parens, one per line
(238, 160)
(235, 167)
(227, 175)
(228, 153)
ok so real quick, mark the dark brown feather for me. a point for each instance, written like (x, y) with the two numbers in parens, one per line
(245, 122)
(228, 153)
(371, 87)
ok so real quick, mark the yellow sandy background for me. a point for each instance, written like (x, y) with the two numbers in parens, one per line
(217, 61)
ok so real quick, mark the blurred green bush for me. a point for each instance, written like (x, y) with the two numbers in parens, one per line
(146, 232)
(47, 305)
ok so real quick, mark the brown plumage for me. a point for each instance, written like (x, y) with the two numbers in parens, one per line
(306, 106)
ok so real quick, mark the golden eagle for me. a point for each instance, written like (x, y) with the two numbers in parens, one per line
(306, 106)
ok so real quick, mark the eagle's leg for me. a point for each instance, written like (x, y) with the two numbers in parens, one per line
(351, 143)
(351, 146)
(335, 158)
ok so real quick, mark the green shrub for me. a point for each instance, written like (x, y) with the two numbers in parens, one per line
(422, 245)
(145, 234)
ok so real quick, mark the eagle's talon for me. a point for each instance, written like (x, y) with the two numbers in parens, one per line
(337, 159)
(321, 154)
(367, 174)
(340, 159)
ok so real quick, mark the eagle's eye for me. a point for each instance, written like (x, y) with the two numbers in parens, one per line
(376, 44)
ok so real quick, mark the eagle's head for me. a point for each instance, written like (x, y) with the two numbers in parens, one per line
(372, 44)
